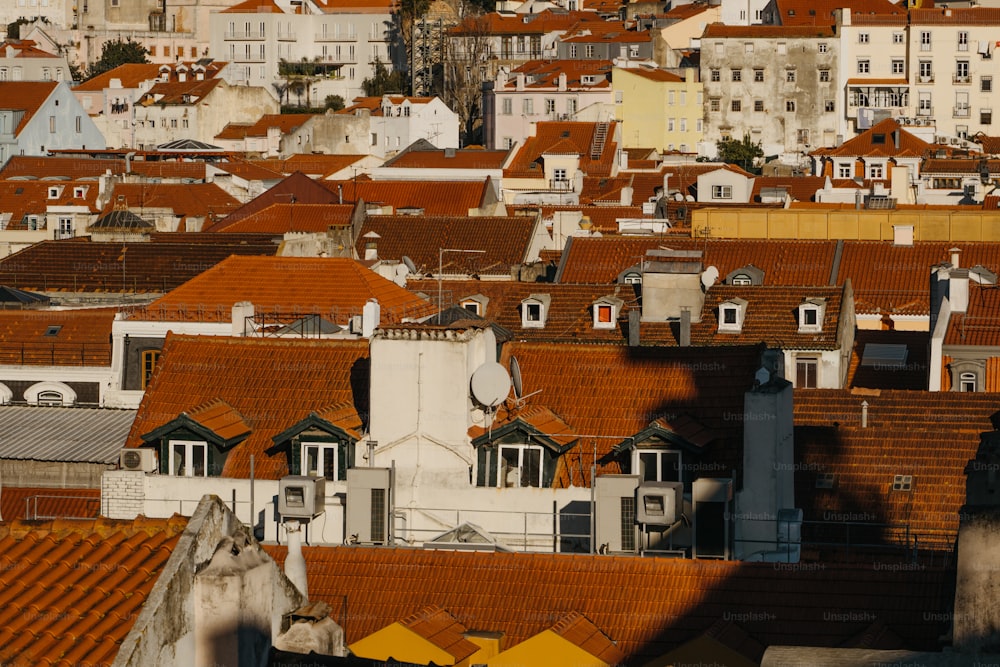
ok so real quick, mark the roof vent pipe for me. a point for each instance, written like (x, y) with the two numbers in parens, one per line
(295, 562)
(685, 337)
(954, 257)
(864, 414)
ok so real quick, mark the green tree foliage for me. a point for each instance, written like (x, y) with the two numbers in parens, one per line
(383, 81)
(335, 102)
(741, 153)
(118, 52)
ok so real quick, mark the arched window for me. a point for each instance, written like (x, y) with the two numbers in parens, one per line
(967, 381)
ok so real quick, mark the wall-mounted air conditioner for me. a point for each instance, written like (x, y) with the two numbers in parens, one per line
(301, 497)
(659, 503)
(369, 505)
(138, 459)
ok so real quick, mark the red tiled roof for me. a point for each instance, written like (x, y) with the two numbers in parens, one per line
(545, 73)
(245, 372)
(970, 166)
(130, 75)
(280, 218)
(682, 12)
(800, 188)
(157, 265)
(600, 260)
(911, 375)
(24, 48)
(83, 167)
(248, 171)
(602, 218)
(980, 324)
(320, 166)
(539, 418)
(256, 7)
(297, 189)
(521, 594)
(80, 339)
(426, 195)
(221, 419)
(374, 104)
(26, 96)
(70, 591)
(933, 436)
(658, 74)
(810, 31)
(864, 144)
(578, 630)
(35, 503)
(24, 198)
(505, 241)
(991, 145)
(441, 629)
(179, 92)
(576, 136)
(613, 32)
(957, 16)
(190, 200)
(284, 122)
(441, 159)
(334, 288)
(821, 12)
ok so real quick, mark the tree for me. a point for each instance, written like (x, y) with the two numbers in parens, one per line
(383, 81)
(741, 153)
(118, 52)
(465, 67)
(335, 102)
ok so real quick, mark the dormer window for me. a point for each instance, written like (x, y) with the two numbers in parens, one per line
(54, 192)
(745, 275)
(534, 311)
(731, 314)
(475, 304)
(811, 315)
(605, 312)
(79, 192)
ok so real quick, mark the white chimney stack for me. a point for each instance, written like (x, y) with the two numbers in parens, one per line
(954, 257)
(864, 414)
(295, 562)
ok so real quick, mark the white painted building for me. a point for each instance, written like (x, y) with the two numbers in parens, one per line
(38, 116)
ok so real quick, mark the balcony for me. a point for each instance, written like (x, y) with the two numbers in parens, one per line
(562, 184)
(286, 36)
(960, 112)
(961, 78)
(925, 111)
(244, 35)
(925, 78)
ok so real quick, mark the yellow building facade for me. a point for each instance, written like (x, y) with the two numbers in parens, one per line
(658, 108)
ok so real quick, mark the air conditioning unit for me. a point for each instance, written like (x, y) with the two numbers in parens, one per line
(138, 459)
(369, 505)
(615, 531)
(659, 503)
(301, 497)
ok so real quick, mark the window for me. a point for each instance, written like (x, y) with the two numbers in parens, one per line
(862, 38)
(924, 107)
(714, 104)
(604, 315)
(52, 123)
(149, 361)
(571, 106)
(528, 106)
(628, 523)
(822, 47)
(925, 41)
(985, 116)
(507, 106)
(758, 105)
(898, 38)
(902, 483)
(323, 460)
(824, 76)
(65, 227)
(790, 106)
(875, 171)
(829, 106)
(589, 50)
(898, 66)
(633, 278)
(844, 171)
(926, 71)
(572, 50)
(810, 318)
(864, 66)
(729, 318)
(748, 47)
(714, 75)
(374, 139)
(670, 125)
(737, 75)
(963, 41)
(825, 480)
(520, 466)
(986, 84)
(805, 373)
(559, 174)
(758, 75)
(683, 125)
(790, 75)
(736, 105)
(722, 192)
(188, 459)
(967, 382)
(782, 48)
(550, 106)
(962, 71)
(657, 465)
(508, 143)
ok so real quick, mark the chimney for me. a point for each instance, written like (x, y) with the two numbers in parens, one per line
(295, 562)
(520, 82)
(371, 246)
(562, 81)
(626, 197)
(864, 414)
(634, 317)
(371, 314)
(685, 336)
(671, 283)
(954, 257)
(243, 312)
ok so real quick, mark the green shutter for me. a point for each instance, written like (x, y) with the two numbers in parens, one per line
(294, 457)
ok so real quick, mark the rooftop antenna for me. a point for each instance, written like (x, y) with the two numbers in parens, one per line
(409, 264)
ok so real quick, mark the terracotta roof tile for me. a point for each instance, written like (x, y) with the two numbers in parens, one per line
(877, 141)
(178, 92)
(166, 261)
(36, 503)
(545, 73)
(426, 195)
(716, 30)
(522, 595)
(297, 189)
(441, 629)
(283, 122)
(221, 418)
(959, 16)
(279, 218)
(505, 241)
(188, 200)
(85, 168)
(319, 166)
(576, 629)
(26, 96)
(541, 23)
(244, 373)
(576, 137)
(334, 288)
(56, 337)
(37, 628)
(980, 324)
(912, 374)
(821, 12)
(248, 171)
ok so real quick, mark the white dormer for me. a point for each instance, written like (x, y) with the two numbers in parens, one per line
(475, 304)
(55, 191)
(811, 312)
(79, 191)
(605, 311)
(534, 311)
(731, 315)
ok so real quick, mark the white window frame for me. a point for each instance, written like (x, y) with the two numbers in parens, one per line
(323, 450)
(807, 312)
(506, 475)
(534, 315)
(722, 192)
(658, 455)
(968, 381)
(807, 363)
(599, 321)
(189, 450)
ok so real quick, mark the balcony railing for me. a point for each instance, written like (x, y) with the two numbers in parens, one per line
(960, 112)
(245, 35)
(925, 78)
(925, 111)
(55, 354)
(286, 36)
(560, 184)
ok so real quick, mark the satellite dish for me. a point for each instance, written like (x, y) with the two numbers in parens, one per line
(678, 196)
(490, 384)
(515, 376)
(490, 345)
(409, 264)
(709, 276)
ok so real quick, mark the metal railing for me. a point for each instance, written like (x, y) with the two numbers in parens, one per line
(49, 354)
(32, 513)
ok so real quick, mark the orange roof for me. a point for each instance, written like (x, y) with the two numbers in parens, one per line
(34, 503)
(56, 337)
(878, 141)
(70, 591)
(280, 218)
(284, 122)
(648, 606)
(986, 16)
(357, 6)
(682, 12)
(991, 145)
(800, 188)
(334, 288)
(441, 629)
(130, 75)
(575, 136)
(221, 419)
(767, 31)
(912, 375)
(244, 373)
(577, 630)
(980, 324)
(656, 74)
(179, 92)
(933, 435)
(545, 74)
(297, 189)
(614, 32)
(23, 198)
(248, 171)
(195, 200)
(505, 241)
(448, 159)
(314, 165)
(84, 167)
(256, 7)
(426, 195)
(374, 104)
(26, 96)
(821, 12)
(24, 48)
